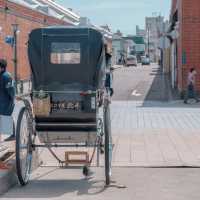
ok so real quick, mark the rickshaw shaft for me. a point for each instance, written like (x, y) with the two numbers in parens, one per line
(62, 145)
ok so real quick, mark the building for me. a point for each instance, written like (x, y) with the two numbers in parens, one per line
(108, 35)
(164, 47)
(18, 18)
(140, 32)
(118, 47)
(184, 35)
(154, 27)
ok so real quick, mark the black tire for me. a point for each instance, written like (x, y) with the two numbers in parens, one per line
(23, 163)
(14, 131)
(108, 144)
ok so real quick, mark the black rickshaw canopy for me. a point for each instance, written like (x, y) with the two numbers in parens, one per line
(66, 57)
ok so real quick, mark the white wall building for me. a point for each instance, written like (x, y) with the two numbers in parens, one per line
(118, 47)
(154, 29)
(51, 8)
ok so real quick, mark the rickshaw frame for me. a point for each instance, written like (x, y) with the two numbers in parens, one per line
(27, 118)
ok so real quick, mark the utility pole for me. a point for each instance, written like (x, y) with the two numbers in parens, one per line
(148, 32)
(15, 31)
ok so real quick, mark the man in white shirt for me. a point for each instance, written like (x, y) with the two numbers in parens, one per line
(191, 81)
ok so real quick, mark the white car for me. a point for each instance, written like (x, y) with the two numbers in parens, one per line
(131, 61)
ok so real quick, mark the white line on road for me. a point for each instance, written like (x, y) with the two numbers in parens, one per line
(134, 93)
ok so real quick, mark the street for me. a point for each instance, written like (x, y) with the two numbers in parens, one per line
(156, 148)
(142, 83)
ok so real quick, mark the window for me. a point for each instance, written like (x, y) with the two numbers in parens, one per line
(65, 53)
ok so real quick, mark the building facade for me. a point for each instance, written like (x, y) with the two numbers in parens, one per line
(154, 28)
(140, 32)
(25, 16)
(118, 48)
(184, 35)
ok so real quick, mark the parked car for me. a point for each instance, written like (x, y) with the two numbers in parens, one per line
(145, 60)
(131, 61)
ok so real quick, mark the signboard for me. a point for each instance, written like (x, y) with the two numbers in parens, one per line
(140, 47)
(9, 40)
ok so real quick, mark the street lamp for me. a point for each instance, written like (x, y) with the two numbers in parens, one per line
(148, 42)
(148, 38)
(15, 32)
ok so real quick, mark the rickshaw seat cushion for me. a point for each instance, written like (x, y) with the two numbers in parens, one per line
(88, 127)
(71, 117)
(81, 122)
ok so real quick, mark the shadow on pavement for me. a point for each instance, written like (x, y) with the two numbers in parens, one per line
(161, 94)
(44, 187)
(160, 89)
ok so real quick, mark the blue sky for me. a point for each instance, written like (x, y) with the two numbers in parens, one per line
(118, 14)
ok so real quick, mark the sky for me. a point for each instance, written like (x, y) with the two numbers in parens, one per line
(119, 14)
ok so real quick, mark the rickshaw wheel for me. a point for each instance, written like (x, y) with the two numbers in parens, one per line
(23, 146)
(108, 143)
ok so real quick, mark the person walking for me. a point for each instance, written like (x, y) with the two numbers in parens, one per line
(7, 97)
(191, 81)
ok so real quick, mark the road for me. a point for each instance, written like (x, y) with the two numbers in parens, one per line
(157, 144)
(142, 83)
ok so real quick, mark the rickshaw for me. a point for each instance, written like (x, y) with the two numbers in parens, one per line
(69, 105)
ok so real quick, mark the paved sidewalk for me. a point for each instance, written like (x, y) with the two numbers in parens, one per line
(156, 134)
(141, 184)
(128, 115)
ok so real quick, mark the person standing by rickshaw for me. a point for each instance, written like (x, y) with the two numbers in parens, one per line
(7, 97)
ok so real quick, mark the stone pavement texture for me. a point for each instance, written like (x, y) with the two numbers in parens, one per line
(155, 134)
(141, 184)
(155, 115)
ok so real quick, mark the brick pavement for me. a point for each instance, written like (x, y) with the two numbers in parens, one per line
(155, 115)
(156, 134)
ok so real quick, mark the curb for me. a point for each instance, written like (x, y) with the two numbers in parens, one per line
(8, 179)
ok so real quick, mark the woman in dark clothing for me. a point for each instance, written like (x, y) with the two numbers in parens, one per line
(7, 96)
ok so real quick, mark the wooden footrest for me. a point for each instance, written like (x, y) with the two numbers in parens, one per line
(76, 157)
